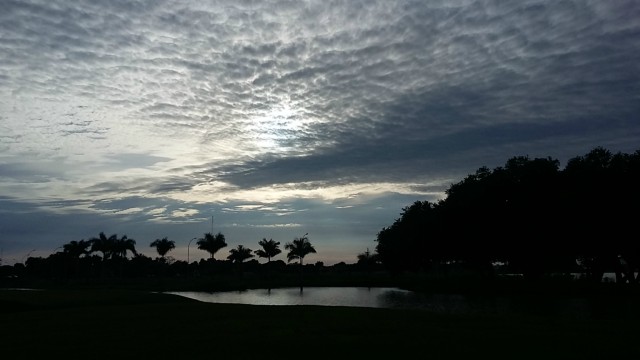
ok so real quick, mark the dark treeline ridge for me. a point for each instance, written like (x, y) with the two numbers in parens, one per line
(530, 218)
(527, 218)
(114, 260)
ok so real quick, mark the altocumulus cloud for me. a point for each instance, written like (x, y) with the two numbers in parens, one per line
(280, 117)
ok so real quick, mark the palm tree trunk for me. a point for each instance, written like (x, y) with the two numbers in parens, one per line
(269, 274)
(301, 276)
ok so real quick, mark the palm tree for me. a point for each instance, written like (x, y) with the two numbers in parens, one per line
(163, 246)
(112, 248)
(211, 243)
(270, 249)
(299, 248)
(103, 244)
(75, 249)
(239, 254)
(122, 245)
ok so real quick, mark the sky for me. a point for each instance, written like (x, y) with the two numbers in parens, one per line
(280, 118)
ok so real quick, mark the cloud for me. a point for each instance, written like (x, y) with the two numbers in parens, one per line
(268, 225)
(111, 106)
(183, 213)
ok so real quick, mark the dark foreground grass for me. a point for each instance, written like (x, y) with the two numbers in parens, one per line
(143, 325)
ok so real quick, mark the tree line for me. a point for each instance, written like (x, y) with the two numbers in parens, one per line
(527, 217)
(108, 256)
(531, 217)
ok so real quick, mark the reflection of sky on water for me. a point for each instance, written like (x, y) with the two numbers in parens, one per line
(394, 298)
(356, 297)
(327, 296)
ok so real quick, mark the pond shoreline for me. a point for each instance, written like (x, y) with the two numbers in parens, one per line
(422, 283)
(70, 321)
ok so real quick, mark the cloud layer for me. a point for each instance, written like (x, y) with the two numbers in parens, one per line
(164, 111)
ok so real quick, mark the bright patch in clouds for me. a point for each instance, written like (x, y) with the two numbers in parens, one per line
(157, 211)
(275, 129)
(151, 117)
(129, 211)
(181, 213)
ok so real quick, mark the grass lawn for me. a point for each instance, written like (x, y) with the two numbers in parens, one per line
(131, 324)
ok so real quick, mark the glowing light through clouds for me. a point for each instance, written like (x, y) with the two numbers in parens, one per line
(279, 118)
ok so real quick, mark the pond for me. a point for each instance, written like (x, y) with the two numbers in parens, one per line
(324, 296)
(395, 298)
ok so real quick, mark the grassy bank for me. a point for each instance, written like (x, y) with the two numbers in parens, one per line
(133, 324)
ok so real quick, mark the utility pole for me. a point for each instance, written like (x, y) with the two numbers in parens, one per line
(188, 250)
(26, 256)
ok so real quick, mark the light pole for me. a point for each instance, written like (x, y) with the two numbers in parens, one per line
(301, 267)
(188, 250)
(26, 256)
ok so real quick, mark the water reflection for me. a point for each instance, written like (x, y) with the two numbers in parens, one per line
(351, 296)
(402, 299)
(324, 296)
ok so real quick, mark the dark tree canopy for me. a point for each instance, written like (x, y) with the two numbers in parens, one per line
(299, 248)
(122, 245)
(113, 247)
(239, 254)
(528, 214)
(270, 248)
(211, 243)
(76, 249)
(163, 246)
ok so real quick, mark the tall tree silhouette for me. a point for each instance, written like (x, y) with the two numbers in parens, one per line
(113, 249)
(163, 246)
(104, 245)
(211, 243)
(299, 248)
(239, 254)
(122, 245)
(75, 249)
(529, 215)
(270, 248)
(367, 259)
(601, 192)
(410, 243)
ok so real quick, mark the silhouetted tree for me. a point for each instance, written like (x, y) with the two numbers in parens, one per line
(239, 254)
(529, 215)
(367, 258)
(75, 249)
(104, 245)
(601, 193)
(367, 261)
(113, 249)
(211, 243)
(299, 248)
(270, 248)
(411, 242)
(163, 246)
(122, 245)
